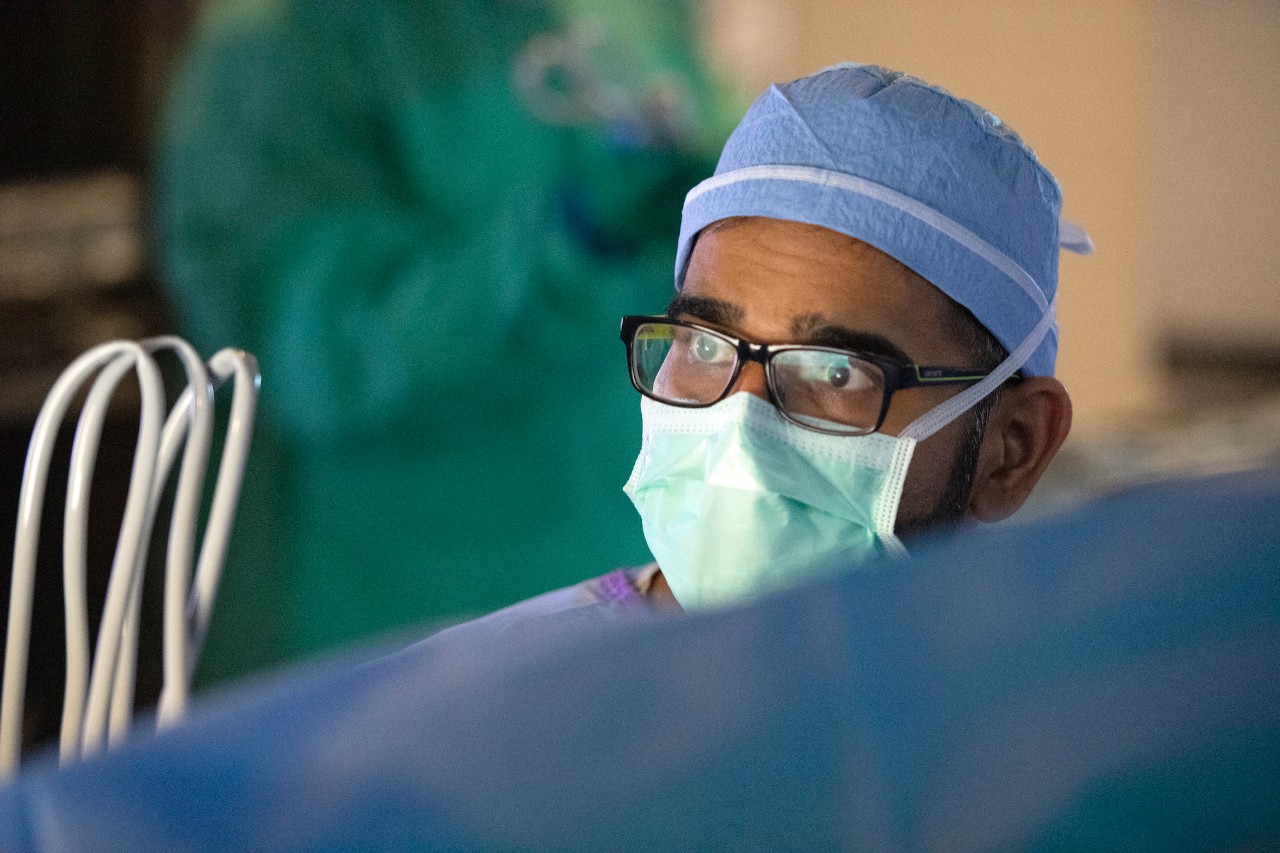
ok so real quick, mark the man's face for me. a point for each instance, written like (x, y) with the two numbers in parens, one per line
(776, 281)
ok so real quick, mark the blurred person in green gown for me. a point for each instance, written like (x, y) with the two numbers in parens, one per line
(425, 219)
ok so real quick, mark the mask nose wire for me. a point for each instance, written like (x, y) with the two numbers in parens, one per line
(944, 413)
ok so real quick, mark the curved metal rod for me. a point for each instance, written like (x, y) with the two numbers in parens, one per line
(98, 698)
(26, 541)
(125, 567)
(84, 454)
(243, 367)
(192, 419)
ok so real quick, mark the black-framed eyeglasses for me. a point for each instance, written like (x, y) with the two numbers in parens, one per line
(826, 389)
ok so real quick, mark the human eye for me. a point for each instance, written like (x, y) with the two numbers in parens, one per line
(697, 366)
(832, 371)
(709, 349)
(821, 388)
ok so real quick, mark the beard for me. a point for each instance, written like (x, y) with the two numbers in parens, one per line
(953, 503)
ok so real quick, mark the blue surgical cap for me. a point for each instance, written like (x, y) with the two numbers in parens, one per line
(933, 180)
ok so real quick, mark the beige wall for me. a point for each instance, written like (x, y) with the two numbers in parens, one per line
(1213, 228)
(1072, 78)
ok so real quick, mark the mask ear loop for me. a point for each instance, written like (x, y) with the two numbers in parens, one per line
(943, 414)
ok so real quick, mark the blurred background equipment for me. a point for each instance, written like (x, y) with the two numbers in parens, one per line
(80, 79)
(98, 701)
(72, 274)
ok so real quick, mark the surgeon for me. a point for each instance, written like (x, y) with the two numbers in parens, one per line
(425, 218)
(861, 349)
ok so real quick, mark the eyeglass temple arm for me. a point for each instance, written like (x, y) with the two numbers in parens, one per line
(917, 375)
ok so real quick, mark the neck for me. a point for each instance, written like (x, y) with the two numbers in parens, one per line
(659, 593)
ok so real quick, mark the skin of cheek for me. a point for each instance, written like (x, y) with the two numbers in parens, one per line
(930, 470)
(934, 458)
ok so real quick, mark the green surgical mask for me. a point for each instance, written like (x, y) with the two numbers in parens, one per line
(736, 501)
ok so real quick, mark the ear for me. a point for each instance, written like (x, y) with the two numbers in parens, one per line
(1027, 426)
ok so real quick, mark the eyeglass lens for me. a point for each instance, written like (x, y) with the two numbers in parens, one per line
(816, 387)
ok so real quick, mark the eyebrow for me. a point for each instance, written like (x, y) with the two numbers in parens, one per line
(714, 311)
(807, 328)
(816, 329)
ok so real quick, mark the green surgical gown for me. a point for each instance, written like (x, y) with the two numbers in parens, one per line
(431, 277)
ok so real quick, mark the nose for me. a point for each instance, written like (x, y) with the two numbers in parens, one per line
(752, 380)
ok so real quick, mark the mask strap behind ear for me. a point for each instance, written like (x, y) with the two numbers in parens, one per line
(941, 415)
